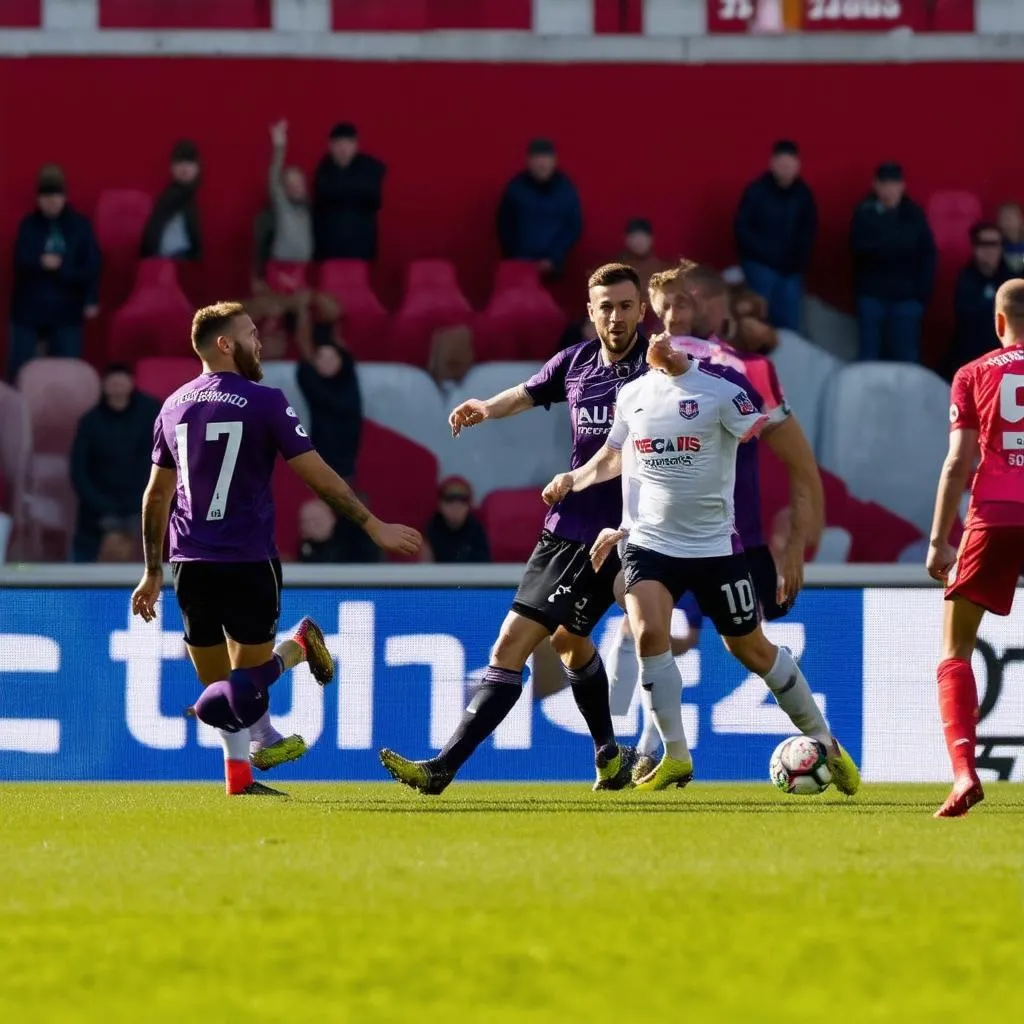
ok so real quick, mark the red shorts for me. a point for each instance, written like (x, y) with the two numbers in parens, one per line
(987, 567)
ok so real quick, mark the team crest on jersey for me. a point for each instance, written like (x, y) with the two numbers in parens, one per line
(688, 408)
(744, 406)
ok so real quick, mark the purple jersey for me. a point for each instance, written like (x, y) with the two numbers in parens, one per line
(580, 376)
(222, 433)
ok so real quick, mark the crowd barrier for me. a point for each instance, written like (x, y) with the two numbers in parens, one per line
(87, 692)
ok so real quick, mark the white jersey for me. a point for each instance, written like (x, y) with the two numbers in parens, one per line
(679, 472)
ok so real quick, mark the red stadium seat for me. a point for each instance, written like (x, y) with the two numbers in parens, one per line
(157, 318)
(951, 215)
(398, 476)
(513, 275)
(878, 534)
(290, 494)
(121, 214)
(366, 324)
(512, 520)
(432, 300)
(161, 376)
(15, 454)
(287, 277)
(521, 322)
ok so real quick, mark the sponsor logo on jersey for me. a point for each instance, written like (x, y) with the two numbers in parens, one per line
(660, 445)
(744, 406)
(595, 420)
(688, 408)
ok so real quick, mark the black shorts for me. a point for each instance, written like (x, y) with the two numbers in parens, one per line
(240, 600)
(765, 575)
(722, 585)
(560, 587)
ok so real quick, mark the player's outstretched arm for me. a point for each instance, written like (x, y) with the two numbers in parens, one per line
(156, 506)
(605, 465)
(510, 402)
(326, 484)
(963, 451)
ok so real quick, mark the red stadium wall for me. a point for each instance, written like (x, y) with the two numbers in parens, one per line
(676, 144)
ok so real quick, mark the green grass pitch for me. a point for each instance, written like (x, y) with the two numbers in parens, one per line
(508, 903)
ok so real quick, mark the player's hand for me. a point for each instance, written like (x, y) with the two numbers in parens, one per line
(146, 594)
(557, 489)
(790, 568)
(279, 134)
(394, 538)
(51, 261)
(604, 545)
(91, 312)
(469, 414)
(940, 560)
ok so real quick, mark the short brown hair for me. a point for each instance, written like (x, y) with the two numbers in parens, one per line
(613, 273)
(1010, 301)
(705, 279)
(209, 322)
(664, 279)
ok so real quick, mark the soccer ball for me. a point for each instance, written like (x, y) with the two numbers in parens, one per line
(800, 765)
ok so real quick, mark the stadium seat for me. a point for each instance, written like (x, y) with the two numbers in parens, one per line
(57, 393)
(516, 275)
(538, 438)
(803, 370)
(157, 318)
(951, 215)
(366, 323)
(161, 376)
(522, 320)
(432, 300)
(878, 534)
(15, 454)
(834, 548)
(406, 400)
(290, 494)
(121, 214)
(279, 373)
(512, 520)
(884, 433)
(830, 329)
(398, 476)
(286, 277)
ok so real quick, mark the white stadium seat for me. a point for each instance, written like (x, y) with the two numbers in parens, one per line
(834, 331)
(522, 451)
(884, 433)
(405, 399)
(803, 371)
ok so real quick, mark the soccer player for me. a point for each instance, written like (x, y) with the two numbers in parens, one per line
(985, 414)
(214, 447)
(684, 423)
(560, 594)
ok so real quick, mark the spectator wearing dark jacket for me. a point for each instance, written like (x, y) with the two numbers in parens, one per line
(539, 217)
(110, 462)
(975, 297)
(775, 227)
(894, 269)
(347, 196)
(454, 534)
(56, 276)
(172, 230)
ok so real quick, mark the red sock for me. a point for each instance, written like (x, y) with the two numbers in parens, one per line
(958, 704)
(237, 776)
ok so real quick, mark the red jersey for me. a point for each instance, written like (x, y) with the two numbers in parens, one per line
(988, 396)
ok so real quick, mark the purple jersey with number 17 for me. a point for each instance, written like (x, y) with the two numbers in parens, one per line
(222, 433)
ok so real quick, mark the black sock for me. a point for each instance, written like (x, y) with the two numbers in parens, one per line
(496, 697)
(590, 689)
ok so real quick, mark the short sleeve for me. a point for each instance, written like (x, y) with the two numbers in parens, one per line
(742, 412)
(162, 454)
(619, 430)
(547, 386)
(963, 410)
(289, 434)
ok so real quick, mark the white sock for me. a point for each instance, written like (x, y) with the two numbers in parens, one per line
(660, 675)
(622, 674)
(787, 682)
(649, 739)
(263, 733)
(235, 744)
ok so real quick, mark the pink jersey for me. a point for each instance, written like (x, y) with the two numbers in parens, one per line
(988, 396)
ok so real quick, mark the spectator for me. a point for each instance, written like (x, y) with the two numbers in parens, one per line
(289, 322)
(326, 539)
(1010, 220)
(348, 193)
(110, 462)
(638, 251)
(894, 269)
(748, 317)
(284, 230)
(56, 275)
(455, 534)
(172, 230)
(539, 218)
(775, 227)
(327, 377)
(974, 297)
(451, 356)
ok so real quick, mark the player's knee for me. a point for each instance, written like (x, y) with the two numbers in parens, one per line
(753, 651)
(651, 639)
(515, 643)
(575, 651)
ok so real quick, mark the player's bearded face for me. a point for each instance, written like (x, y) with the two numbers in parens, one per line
(616, 312)
(247, 359)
